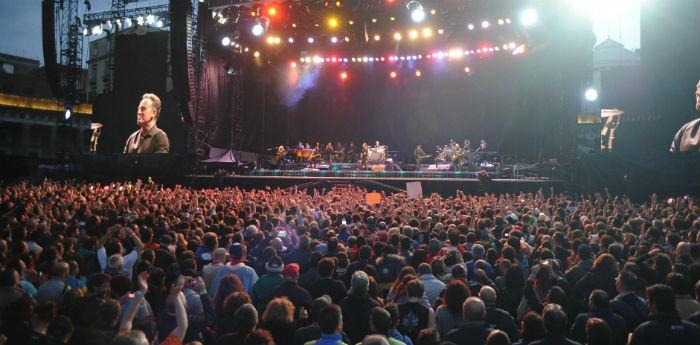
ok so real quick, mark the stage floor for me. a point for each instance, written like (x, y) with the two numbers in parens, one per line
(388, 182)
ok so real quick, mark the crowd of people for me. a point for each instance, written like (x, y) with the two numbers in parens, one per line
(140, 263)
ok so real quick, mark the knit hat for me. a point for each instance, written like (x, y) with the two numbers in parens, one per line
(291, 271)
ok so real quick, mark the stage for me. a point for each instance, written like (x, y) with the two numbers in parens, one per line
(445, 183)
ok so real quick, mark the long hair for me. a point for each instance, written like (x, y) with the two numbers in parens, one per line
(227, 285)
(279, 309)
(455, 294)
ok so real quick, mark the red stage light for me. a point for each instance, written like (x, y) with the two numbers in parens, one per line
(343, 75)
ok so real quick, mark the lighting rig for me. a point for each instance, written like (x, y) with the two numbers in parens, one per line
(385, 31)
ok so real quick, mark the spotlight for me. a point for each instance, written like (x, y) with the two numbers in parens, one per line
(413, 34)
(343, 75)
(418, 73)
(310, 40)
(333, 23)
(272, 11)
(427, 32)
(226, 41)
(417, 11)
(69, 112)
(159, 24)
(470, 26)
(290, 40)
(501, 22)
(377, 38)
(392, 75)
(256, 54)
(269, 40)
(150, 19)
(467, 69)
(397, 36)
(257, 29)
(441, 31)
(334, 39)
(529, 17)
(85, 32)
(347, 39)
(293, 65)
(485, 24)
(277, 40)
(591, 94)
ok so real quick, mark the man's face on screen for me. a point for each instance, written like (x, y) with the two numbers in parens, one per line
(145, 113)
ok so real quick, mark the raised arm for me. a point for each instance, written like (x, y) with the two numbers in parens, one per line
(128, 319)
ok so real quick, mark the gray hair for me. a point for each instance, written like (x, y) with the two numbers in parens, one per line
(359, 282)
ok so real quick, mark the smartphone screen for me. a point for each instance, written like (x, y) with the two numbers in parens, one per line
(282, 234)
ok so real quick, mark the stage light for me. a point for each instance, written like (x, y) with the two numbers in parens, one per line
(256, 54)
(290, 40)
(485, 24)
(467, 69)
(277, 40)
(347, 39)
(427, 32)
(334, 39)
(441, 31)
(392, 75)
(294, 25)
(127, 22)
(418, 73)
(377, 37)
(343, 75)
(159, 24)
(85, 32)
(338, 4)
(246, 49)
(310, 40)
(528, 17)
(139, 20)
(69, 112)
(470, 26)
(397, 36)
(413, 34)
(507, 20)
(272, 11)
(591, 95)
(433, 12)
(501, 22)
(417, 11)
(351, 22)
(96, 30)
(511, 45)
(226, 41)
(150, 19)
(392, 18)
(269, 40)
(257, 29)
(333, 23)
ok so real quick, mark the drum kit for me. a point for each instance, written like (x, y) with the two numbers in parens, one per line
(376, 154)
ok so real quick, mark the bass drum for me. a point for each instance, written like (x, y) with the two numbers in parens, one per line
(376, 154)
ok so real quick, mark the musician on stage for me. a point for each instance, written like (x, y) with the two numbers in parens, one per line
(377, 145)
(328, 152)
(457, 159)
(279, 157)
(467, 145)
(420, 155)
(352, 154)
(364, 154)
(339, 153)
(483, 146)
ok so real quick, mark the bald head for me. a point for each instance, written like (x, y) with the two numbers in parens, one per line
(473, 309)
(488, 295)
